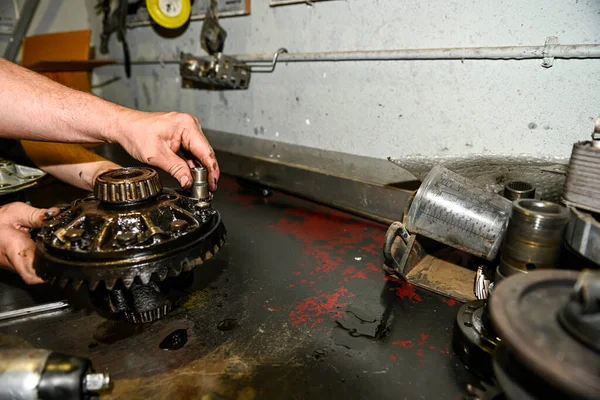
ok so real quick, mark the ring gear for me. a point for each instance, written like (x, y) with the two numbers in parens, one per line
(130, 232)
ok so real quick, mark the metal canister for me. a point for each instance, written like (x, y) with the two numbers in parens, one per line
(533, 238)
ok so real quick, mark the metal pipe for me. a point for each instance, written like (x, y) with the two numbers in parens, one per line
(562, 51)
(21, 28)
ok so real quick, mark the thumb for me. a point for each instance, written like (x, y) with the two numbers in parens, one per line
(27, 216)
(178, 168)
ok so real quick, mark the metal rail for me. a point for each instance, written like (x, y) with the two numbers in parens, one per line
(560, 51)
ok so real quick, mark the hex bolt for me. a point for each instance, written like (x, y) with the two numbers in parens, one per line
(74, 236)
(179, 225)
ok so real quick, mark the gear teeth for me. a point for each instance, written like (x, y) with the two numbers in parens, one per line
(148, 316)
(221, 242)
(110, 283)
(216, 249)
(93, 285)
(145, 277)
(208, 255)
(176, 269)
(127, 282)
(187, 266)
(62, 282)
(162, 274)
(77, 284)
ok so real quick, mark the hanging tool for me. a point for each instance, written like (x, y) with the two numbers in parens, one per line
(212, 37)
(170, 14)
(115, 22)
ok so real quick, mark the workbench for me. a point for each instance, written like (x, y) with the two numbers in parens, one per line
(294, 306)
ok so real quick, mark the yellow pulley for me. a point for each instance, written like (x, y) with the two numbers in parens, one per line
(169, 14)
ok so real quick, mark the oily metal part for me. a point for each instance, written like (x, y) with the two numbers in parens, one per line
(472, 340)
(15, 177)
(534, 237)
(21, 372)
(524, 310)
(127, 185)
(92, 241)
(514, 190)
(582, 187)
(547, 174)
(583, 234)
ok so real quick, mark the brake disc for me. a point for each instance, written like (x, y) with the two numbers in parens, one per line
(131, 234)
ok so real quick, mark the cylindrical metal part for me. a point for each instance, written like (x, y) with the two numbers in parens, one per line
(519, 190)
(533, 238)
(582, 186)
(31, 374)
(20, 373)
(199, 189)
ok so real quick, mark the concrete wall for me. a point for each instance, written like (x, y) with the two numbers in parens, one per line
(56, 16)
(379, 108)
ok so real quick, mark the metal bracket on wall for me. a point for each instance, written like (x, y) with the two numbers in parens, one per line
(548, 60)
(220, 71)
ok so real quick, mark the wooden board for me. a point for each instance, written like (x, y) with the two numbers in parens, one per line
(74, 46)
(226, 8)
(68, 65)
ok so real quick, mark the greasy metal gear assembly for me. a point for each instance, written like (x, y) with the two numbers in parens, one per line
(131, 238)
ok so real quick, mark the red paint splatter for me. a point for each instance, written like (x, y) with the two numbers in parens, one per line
(296, 273)
(372, 268)
(360, 275)
(407, 344)
(348, 271)
(320, 233)
(393, 357)
(431, 347)
(312, 310)
(424, 338)
(420, 353)
(450, 302)
(291, 285)
(421, 361)
(407, 291)
(303, 281)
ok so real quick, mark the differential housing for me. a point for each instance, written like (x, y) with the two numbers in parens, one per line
(128, 236)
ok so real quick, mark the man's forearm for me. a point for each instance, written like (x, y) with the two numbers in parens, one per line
(34, 107)
(70, 163)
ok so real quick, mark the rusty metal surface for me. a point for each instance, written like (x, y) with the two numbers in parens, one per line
(428, 264)
(547, 174)
(295, 306)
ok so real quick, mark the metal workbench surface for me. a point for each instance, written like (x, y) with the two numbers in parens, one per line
(295, 306)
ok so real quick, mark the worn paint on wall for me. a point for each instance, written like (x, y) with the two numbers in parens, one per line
(56, 16)
(386, 108)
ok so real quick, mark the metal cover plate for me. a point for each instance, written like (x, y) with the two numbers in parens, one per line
(524, 313)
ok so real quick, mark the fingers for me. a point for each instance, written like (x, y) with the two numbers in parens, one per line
(200, 149)
(23, 215)
(179, 169)
(21, 258)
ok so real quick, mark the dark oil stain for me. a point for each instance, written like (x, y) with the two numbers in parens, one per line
(92, 345)
(175, 340)
(110, 332)
(227, 324)
(532, 125)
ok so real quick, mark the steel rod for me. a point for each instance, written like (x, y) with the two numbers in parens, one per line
(561, 51)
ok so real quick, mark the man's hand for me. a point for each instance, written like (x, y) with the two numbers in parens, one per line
(155, 138)
(17, 249)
